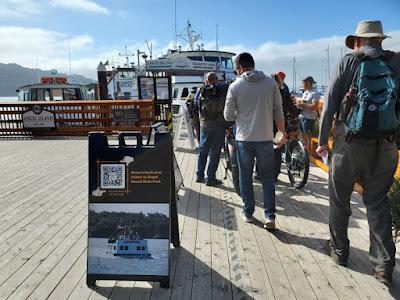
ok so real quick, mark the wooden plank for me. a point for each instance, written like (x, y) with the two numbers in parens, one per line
(45, 226)
(81, 291)
(202, 264)
(239, 273)
(26, 262)
(259, 277)
(68, 283)
(184, 270)
(343, 284)
(221, 287)
(55, 267)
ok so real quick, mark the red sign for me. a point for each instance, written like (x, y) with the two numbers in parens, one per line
(53, 80)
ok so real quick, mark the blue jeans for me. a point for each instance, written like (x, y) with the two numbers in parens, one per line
(211, 143)
(264, 154)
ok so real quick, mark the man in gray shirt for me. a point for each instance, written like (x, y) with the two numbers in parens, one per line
(359, 159)
(254, 103)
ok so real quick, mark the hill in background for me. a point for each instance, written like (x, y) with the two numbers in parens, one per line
(12, 76)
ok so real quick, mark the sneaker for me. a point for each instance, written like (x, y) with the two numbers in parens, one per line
(269, 224)
(257, 178)
(340, 260)
(213, 182)
(246, 218)
(384, 277)
(200, 180)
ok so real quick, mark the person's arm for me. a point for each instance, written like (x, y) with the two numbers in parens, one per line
(334, 95)
(230, 105)
(278, 114)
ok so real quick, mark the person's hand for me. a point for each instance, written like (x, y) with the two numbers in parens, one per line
(282, 141)
(321, 149)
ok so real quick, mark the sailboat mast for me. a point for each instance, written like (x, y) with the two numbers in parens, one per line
(216, 39)
(294, 75)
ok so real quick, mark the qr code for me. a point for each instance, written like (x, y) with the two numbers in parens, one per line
(112, 176)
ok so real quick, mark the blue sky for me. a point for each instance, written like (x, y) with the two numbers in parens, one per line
(38, 32)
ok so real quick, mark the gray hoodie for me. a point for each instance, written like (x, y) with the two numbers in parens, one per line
(253, 102)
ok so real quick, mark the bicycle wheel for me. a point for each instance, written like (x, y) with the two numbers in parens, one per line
(235, 175)
(298, 164)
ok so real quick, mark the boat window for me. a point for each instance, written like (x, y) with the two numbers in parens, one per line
(226, 62)
(72, 94)
(47, 95)
(185, 92)
(57, 94)
(121, 247)
(211, 58)
(176, 90)
(142, 247)
(115, 247)
(138, 248)
(197, 58)
(126, 248)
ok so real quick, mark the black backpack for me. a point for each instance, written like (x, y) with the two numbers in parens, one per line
(212, 101)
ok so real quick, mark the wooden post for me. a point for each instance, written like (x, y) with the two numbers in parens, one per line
(102, 78)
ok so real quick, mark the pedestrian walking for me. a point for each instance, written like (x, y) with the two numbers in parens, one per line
(364, 96)
(254, 103)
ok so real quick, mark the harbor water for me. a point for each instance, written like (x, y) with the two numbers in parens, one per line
(102, 261)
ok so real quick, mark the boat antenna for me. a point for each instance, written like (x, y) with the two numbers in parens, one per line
(69, 58)
(126, 55)
(175, 31)
(216, 40)
(150, 48)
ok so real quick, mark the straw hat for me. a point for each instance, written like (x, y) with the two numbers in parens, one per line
(366, 29)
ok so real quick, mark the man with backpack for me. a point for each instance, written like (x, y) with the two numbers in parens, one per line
(211, 102)
(364, 95)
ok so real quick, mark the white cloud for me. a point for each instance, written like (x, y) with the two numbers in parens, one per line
(30, 47)
(27, 46)
(19, 8)
(311, 56)
(86, 5)
(80, 41)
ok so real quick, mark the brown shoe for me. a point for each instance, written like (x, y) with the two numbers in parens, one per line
(384, 277)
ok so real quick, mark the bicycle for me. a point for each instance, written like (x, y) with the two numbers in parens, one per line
(295, 156)
(230, 156)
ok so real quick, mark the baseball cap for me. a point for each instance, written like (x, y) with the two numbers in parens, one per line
(309, 79)
(281, 74)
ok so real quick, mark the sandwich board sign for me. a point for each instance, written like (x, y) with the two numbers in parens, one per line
(130, 192)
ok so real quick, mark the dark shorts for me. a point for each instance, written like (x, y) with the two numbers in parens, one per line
(306, 125)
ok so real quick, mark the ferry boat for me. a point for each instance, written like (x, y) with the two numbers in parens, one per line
(54, 88)
(129, 244)
(187, 68)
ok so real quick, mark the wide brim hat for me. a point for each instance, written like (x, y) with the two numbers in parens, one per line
(366, 29)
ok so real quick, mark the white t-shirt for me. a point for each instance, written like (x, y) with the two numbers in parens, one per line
(310, 97)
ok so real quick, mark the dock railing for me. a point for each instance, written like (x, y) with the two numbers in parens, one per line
(75, 117)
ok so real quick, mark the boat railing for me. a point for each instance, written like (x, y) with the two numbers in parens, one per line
(77, 118)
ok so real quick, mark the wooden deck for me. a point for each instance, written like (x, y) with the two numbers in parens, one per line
(43, 236)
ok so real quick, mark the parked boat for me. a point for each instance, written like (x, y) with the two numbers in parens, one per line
(129, 243)
(54, 89)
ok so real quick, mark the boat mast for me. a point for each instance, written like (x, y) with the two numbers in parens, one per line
(216, 40)
(175, 31)
(294, 75)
